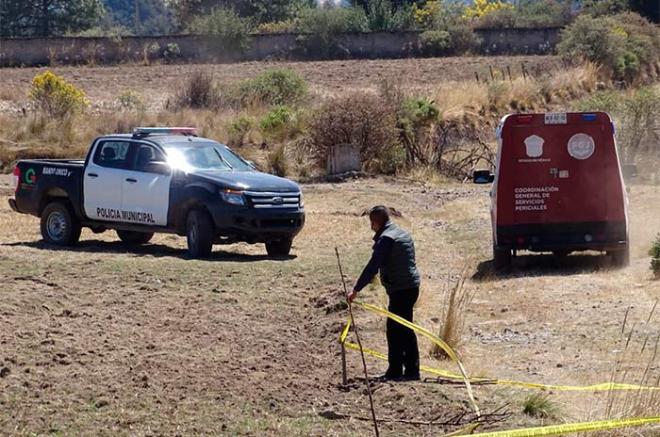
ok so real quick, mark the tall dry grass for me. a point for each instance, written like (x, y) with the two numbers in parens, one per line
(455, 99)
(637, 364)
(457, 299)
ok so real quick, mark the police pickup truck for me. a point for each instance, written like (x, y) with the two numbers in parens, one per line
(160, 180)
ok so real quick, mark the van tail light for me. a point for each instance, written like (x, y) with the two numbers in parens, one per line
(16, 177)
(525, 119)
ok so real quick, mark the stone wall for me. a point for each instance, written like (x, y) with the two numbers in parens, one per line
(66, 50)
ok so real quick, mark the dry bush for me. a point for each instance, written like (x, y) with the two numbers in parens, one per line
(278, 162)
(198, 92)
(456, 301)
(362, 120)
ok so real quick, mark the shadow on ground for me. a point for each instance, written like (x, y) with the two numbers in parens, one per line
(543, 265)
(155, 250)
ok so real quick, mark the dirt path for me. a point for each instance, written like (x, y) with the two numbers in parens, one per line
(101, 339)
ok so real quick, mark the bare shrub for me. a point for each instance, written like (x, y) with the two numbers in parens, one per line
(362, 120)
(198, 92)
(456, 301)
(278, 163)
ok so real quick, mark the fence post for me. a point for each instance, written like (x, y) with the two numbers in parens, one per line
(344, 377)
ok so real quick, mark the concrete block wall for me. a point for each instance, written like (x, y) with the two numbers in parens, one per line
(68, 50)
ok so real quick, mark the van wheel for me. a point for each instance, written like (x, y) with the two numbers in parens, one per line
(134, 238)
(621, 257)
(59, 226)
(501, 259)
(199, 233)
(279, 248)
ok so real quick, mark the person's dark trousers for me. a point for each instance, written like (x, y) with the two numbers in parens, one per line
(402, 341)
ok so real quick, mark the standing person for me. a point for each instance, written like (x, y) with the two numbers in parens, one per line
(394, 256)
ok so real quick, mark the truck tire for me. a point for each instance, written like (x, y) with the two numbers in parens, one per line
(199, 233)
(279, 248)
(621, 257)
(59, 226)
(501, 259)
(134, 238)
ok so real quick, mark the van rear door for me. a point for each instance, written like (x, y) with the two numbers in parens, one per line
(560, 171)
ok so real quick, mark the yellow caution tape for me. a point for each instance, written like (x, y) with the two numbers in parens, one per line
(573, 428)
(607, 386)
(435, 339)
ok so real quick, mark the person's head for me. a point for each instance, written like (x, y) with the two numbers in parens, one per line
(379, 216)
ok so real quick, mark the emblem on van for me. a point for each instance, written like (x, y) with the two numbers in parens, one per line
(534, 145)
(581, 146)
(278, 201)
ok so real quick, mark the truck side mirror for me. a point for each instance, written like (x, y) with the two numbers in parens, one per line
(482, 177)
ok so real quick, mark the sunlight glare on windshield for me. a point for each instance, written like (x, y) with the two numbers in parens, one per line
(177, 160)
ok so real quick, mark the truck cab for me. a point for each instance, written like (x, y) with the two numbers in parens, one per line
(161, 180)
(557, 187)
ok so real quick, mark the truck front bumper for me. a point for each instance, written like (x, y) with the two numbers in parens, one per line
(257, 226)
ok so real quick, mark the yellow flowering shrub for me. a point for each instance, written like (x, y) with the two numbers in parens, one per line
(481, 8)
(55, 96)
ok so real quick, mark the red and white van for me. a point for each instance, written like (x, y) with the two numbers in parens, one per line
(557, 187)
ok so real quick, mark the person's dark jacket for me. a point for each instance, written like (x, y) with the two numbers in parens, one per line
(394, 256)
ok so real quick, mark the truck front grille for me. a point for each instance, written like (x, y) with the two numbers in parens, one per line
(274, 200)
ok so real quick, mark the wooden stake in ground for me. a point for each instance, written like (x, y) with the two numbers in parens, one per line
(357, 337)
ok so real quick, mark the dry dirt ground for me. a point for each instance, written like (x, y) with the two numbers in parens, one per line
(103, 340)
(157, 82)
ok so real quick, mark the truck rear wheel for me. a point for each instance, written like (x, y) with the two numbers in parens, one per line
(199, 233)
(59, 226)
(279, 248)
(621, 257)
(501, 259)
(134, 238)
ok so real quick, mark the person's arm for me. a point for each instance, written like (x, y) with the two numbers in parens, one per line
(382, 250)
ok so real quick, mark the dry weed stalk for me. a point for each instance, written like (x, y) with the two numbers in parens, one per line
(457, 299)
(627, 370)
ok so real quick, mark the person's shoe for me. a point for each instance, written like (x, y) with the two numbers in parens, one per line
(390, 376)
(410, 377)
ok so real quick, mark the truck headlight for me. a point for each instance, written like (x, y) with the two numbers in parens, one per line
(302, 202)
(233, 197)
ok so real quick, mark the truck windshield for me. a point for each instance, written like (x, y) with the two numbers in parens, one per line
(205, 156)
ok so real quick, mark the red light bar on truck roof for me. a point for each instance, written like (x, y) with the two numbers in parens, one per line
(140, 132)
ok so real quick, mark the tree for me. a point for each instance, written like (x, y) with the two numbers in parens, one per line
(142, 17)
(47, 17)
(261, 11)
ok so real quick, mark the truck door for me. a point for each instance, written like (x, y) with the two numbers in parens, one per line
(103, 179)
(146, 187)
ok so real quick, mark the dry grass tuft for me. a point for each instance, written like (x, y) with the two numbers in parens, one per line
(539, 405)
(457, 299)
(637, 364)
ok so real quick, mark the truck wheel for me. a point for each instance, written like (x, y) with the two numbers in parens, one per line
(134, 238)
(501, 259)
(199, 233)
(59, 226)
(621, 257)
(279, 248)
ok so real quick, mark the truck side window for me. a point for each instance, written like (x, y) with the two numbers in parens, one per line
(146, 154)
(112, 154)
